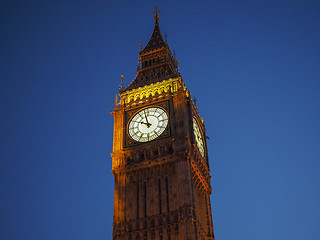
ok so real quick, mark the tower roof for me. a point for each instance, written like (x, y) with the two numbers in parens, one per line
(156, 40)
(156, 61)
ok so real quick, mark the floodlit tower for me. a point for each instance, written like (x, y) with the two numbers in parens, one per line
(159, 159)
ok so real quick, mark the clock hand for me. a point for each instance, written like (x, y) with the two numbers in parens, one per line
(146, 117)
(148, 124)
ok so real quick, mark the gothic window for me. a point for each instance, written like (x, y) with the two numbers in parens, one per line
(145, 199)
(168, 219)
(137, 237)
(176, 229)
(160, 232)
(152, 234)
(175, 217)
(160, 221)
(156, 152)
(159, 186)
(130, 227)
(167, 193)
(168, 232)
(170, 150)
(162, 150)
(137, 201)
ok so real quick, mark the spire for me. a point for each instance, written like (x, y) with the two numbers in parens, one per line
(156, 15)
(156, 41)
(155, 62)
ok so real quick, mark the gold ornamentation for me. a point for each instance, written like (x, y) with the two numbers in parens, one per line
(165, 86)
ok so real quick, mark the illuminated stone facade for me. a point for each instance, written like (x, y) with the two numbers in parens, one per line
(162, 186)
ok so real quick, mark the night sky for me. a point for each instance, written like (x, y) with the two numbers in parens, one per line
(253, 65)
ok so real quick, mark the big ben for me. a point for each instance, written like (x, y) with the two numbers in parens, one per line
(160, 158)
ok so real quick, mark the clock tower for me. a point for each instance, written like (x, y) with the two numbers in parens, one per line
(160, 158)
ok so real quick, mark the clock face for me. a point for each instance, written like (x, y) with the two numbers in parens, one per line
(148, 124)
(198, 137)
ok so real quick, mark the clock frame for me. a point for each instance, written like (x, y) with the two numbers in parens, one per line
(198, 137)
(129, 115)
(148, 124)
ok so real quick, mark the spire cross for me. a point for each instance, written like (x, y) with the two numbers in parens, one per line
(165, 37)
(156, 14)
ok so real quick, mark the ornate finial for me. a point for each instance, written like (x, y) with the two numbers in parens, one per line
(140, 46)
(116, 101)
(177, 64)
(195, 101)
(139, 63)
(174, 54)
(165, 37)
(121, 82)
(156, 14)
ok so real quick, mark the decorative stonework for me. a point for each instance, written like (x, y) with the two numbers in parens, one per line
(166, 86)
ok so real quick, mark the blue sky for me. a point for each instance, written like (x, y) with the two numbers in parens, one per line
(254, 67)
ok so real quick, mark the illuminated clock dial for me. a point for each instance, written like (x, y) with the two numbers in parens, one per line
(148, 124)
(198, 137)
